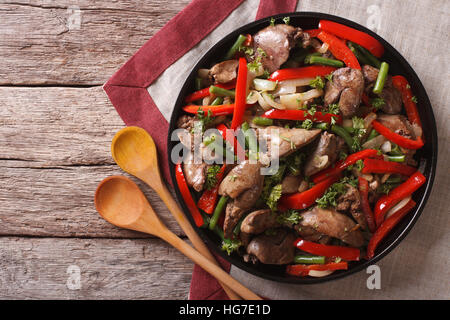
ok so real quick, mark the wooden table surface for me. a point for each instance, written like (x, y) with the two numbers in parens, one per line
(56, 125)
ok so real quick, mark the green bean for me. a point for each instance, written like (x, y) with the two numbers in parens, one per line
(373, 61)
(397, 158)
(340, 131)
(309, 259)
(221, 91)
(217, 101)
(313, 59)
(240, 40)
(381, 79)
(260, 121)
(217, 212)
(322, 126)
(358, 54)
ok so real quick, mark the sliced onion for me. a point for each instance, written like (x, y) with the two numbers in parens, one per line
(285, 89)
(262, 102)
(295, 100)
(296, 82)
(252, 97)
(207, 100)
(291, 101)
(320, 273)
(264, 85)
(386, 147)
(374, 143)
(323, 48)
(397, 207)
(272, 102)
(367, 176)
(203, 73)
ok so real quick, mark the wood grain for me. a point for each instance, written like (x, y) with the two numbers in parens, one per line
(55, 149)
(59, 202)
(37, 46)
(33, 268)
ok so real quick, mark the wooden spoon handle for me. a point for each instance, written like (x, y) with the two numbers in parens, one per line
(197, 242)
(208, 266)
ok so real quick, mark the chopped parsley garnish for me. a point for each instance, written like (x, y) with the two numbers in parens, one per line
(329, 77)
(333, 108)
(286, 20)
(377, 103)
(317, 83)
(334, 192)
(359, 165)
(312, 111)
(307, 124)
(274, 196)
(414, 99)
(290, 217)
(230, 245)
(272, 22)
(211, 176)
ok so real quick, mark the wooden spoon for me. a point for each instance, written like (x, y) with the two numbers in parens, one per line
(120, 202)
(134, 150)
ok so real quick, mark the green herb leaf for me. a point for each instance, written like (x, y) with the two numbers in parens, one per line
(274, 196)
(211, 176)
(230, 245)
(317, 83)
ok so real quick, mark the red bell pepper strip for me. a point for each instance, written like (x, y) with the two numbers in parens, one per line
(302, 270)
(203, 93)
(301, 115)
(348, 33)
(381, 166)
(301, 73)
(363, 186)
(312, 32)
(342, 164)
(403, 86)
(241, 94)
(208, 200)
(228, 136)
(346, 253)
(386, 227)
(186, 194)
(396, 138)
(305, 199)
(220, 110)
(386, 202)
(338, 48)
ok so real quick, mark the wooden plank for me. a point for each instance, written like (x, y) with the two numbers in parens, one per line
(41, 42)
(59, 202)
(47, 268)
(57, 126)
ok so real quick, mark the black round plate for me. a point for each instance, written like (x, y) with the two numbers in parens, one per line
(427, 156)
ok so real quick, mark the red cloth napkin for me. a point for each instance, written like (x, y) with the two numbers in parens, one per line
(127, 88)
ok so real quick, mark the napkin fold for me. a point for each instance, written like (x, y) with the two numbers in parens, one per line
(128, 90)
